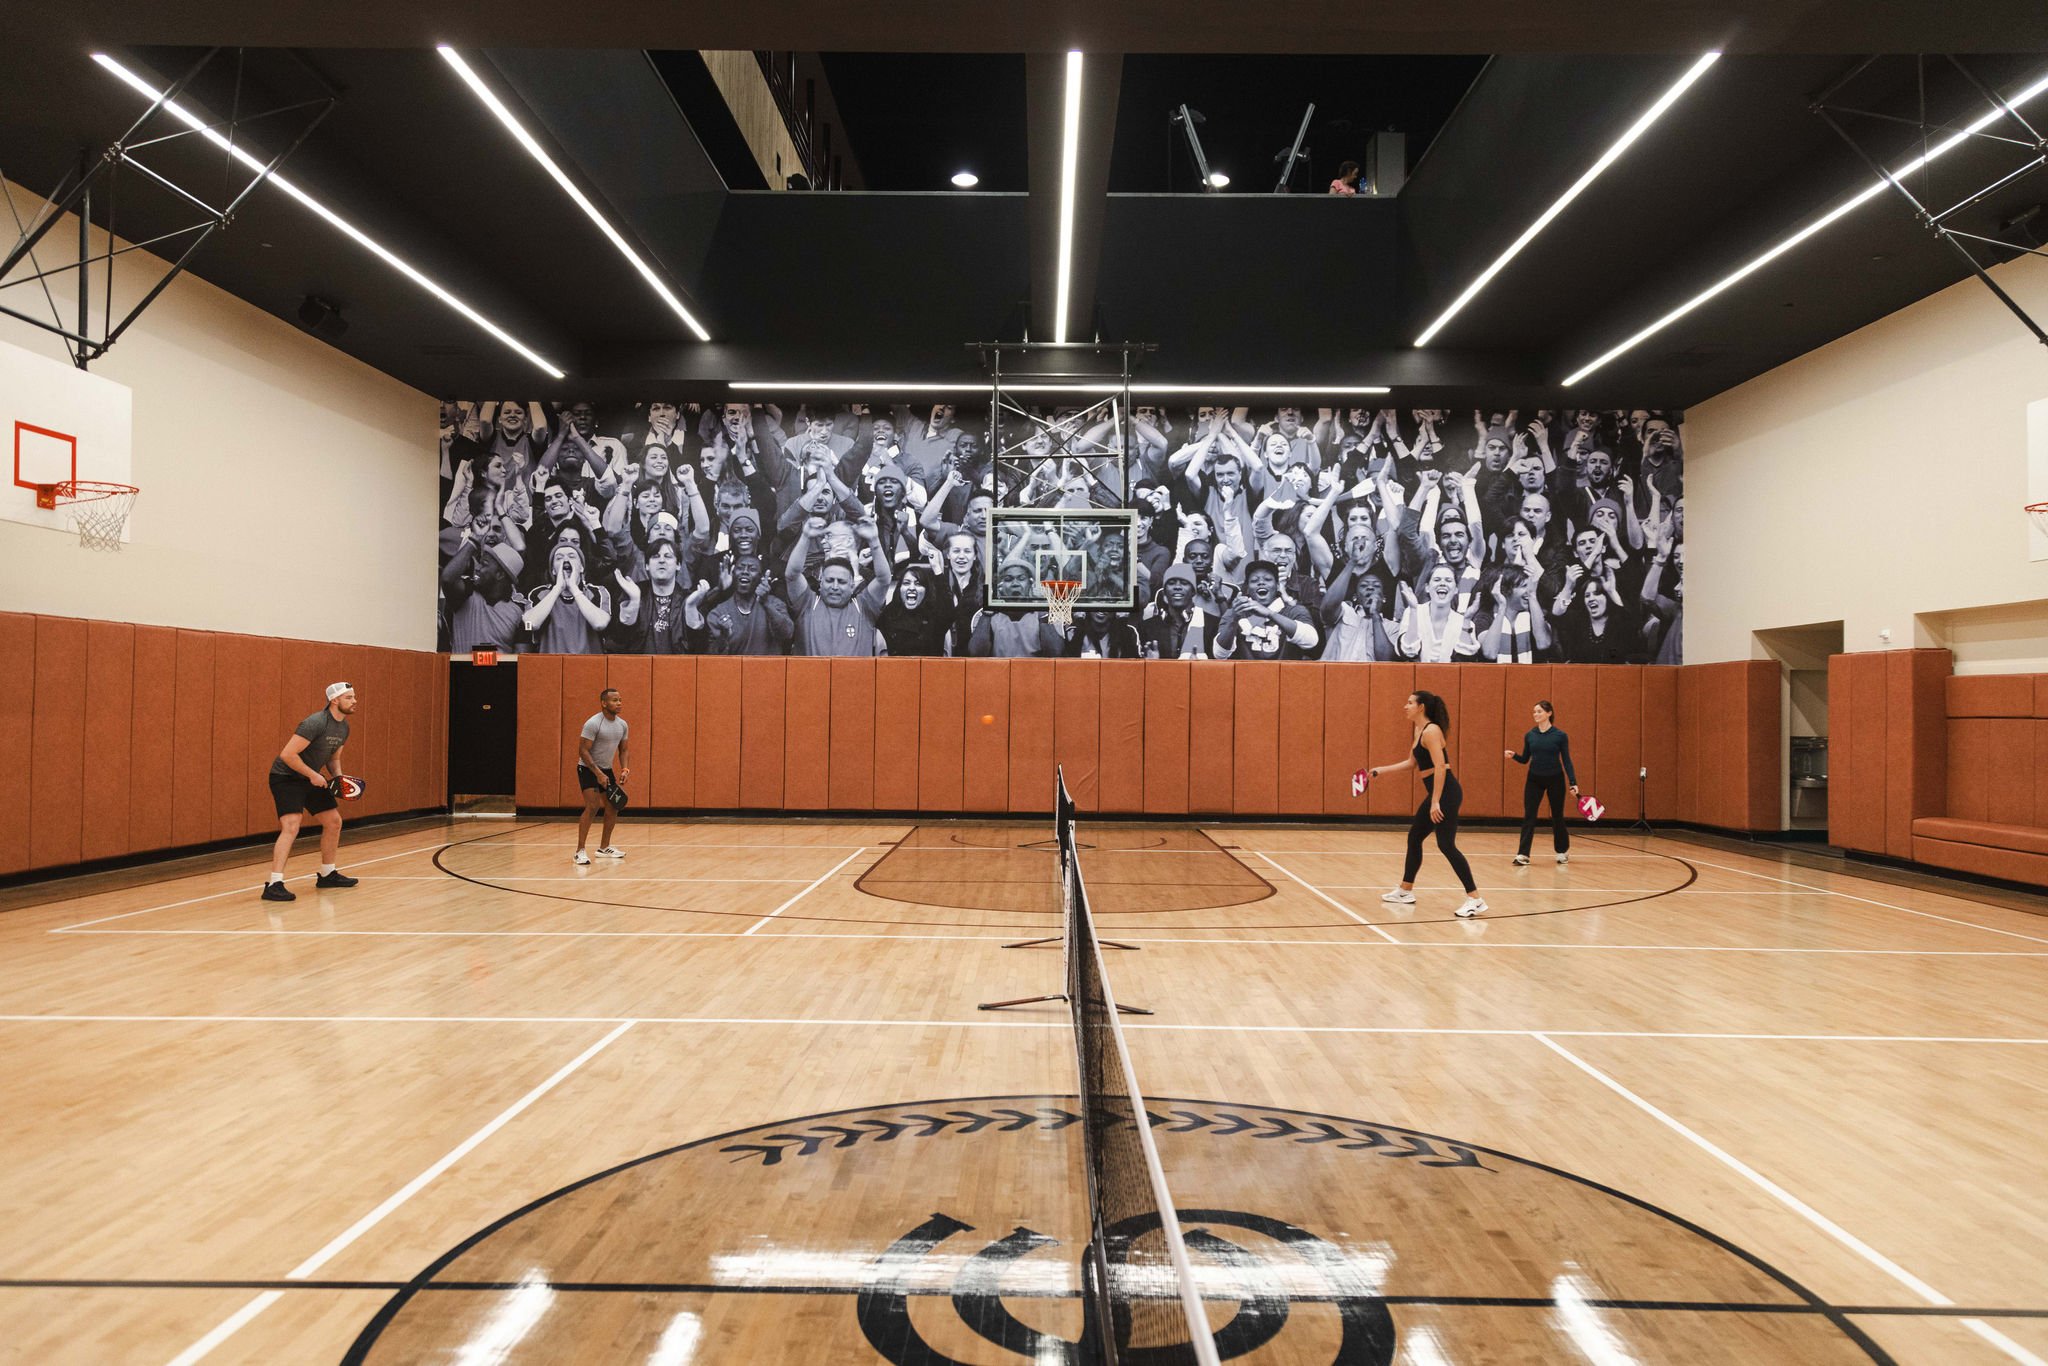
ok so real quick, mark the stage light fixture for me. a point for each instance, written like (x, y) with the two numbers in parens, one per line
(383, 253)
(533, 148)
(1826, 220)
(1578, 187)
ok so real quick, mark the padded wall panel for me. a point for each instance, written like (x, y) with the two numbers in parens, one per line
(1990, 695)
(1300, 751)
(259, 816)
(1618, 715)
(672, 730)
(2040, 772)
(17, 735)
(720, 688)
(233, 657)
(2011, 864)
(633, 676)
(986, 750)
(1691, 686)
(1859, 795)
(942, 735)
(1211, 736)
(2008, 749)
(1930, 670)
(1120, 782)
(1391, 738)
(1077, 729)
(1167, 738)
(764, 729)
(192, 740)
(1720, 753)
(150, 745)
(1347, 709)
(1575, 689)
(109, 707)
(896, 733)
(807, 735)
(1764, 771)
(582, 681)
(853, 735)
(1660, 739)
(2040, 695)
(1255, 736)
(538, 774)
(1482, 700)
(1032, 708)
(56, 766)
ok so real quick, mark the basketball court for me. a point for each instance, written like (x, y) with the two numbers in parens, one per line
(731, 1096)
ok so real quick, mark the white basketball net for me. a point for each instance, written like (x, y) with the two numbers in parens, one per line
(1059, 600)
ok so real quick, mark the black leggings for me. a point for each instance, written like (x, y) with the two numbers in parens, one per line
(1533, 792)
(1446, 834)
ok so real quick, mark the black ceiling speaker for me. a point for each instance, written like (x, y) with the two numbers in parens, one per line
(322, 317)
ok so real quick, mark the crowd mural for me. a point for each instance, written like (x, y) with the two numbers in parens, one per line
(1214, 531)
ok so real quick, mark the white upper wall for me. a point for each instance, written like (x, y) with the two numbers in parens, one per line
(287, 489)
(1877, 478)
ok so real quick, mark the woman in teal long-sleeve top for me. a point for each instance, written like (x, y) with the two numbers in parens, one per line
(1548, 753)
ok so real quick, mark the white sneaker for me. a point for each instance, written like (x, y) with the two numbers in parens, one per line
(1473, 906)
(582, 858)
(1521, 860)
(1399, 897)
(609, 852)
(1564, 858)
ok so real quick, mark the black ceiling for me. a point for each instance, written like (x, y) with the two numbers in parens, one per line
(1245, 288)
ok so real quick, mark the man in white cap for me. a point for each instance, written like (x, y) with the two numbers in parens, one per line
(302, 779)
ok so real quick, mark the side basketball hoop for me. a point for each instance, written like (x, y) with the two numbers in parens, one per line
(2039, 512)
(98, 510)
(1059, 600)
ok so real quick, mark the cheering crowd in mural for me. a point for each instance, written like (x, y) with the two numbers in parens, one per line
(1355, 534)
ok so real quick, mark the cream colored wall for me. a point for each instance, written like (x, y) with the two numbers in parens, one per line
(1876, 479)
(287, 489)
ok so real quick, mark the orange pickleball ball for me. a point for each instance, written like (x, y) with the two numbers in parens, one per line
(988, 720)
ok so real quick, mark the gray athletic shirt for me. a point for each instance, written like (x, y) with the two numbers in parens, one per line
(324, 738)
(605, 738)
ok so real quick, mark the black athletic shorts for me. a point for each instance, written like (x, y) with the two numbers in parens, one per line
(588, 780)
(294, 794)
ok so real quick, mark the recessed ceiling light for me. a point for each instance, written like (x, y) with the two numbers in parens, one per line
(241, 153)
(966, 180)
(1218, 180)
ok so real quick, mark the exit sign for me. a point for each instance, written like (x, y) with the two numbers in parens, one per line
(483, 657)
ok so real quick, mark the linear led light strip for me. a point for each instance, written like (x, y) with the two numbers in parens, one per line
(871, 386)
(1593, 173)
(533, 149)
(1070, 156)
(1847, 206)
(346, 228)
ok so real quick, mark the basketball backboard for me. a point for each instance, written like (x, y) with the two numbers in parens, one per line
(60, 423)
(1097, 547)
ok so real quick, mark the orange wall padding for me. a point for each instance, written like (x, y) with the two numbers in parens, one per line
(121, 739)
(1906, 742)
(1166, 737)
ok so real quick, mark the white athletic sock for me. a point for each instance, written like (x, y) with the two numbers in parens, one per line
(325, 869)
(275, 877)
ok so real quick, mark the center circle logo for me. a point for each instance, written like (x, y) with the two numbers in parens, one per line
(958, 1233)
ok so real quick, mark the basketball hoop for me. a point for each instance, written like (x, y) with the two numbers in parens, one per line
(2039, 512)
(1059, 600)
(98, 510)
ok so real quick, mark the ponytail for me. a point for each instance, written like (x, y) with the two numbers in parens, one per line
(1434, 711)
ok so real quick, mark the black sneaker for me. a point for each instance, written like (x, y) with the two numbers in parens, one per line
(277, 891)
(337, 878)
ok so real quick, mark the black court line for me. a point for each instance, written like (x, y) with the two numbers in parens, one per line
(1034, 1293)
(1807, 1301)
(1692, 875)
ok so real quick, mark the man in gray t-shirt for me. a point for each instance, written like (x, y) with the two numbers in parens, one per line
(600, 763)
(302, 778)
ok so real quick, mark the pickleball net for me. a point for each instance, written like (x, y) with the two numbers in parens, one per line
(1138, 1283)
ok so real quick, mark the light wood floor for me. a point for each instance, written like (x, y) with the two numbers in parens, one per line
(729, 1099)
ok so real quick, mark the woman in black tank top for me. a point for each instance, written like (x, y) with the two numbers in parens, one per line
(1441, 800)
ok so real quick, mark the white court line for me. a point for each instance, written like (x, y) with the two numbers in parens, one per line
(1869, 901)
(1004, 934)
(1061, 1023)
(804, 893)
(619, 876)
(1797, 1206)
(229, 1326)
(243, 889)
(1332, 900)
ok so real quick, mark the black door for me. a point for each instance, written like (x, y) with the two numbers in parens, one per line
(483, 729)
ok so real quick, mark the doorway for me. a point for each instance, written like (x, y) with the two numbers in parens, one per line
(483, 731)
(1802, 654)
